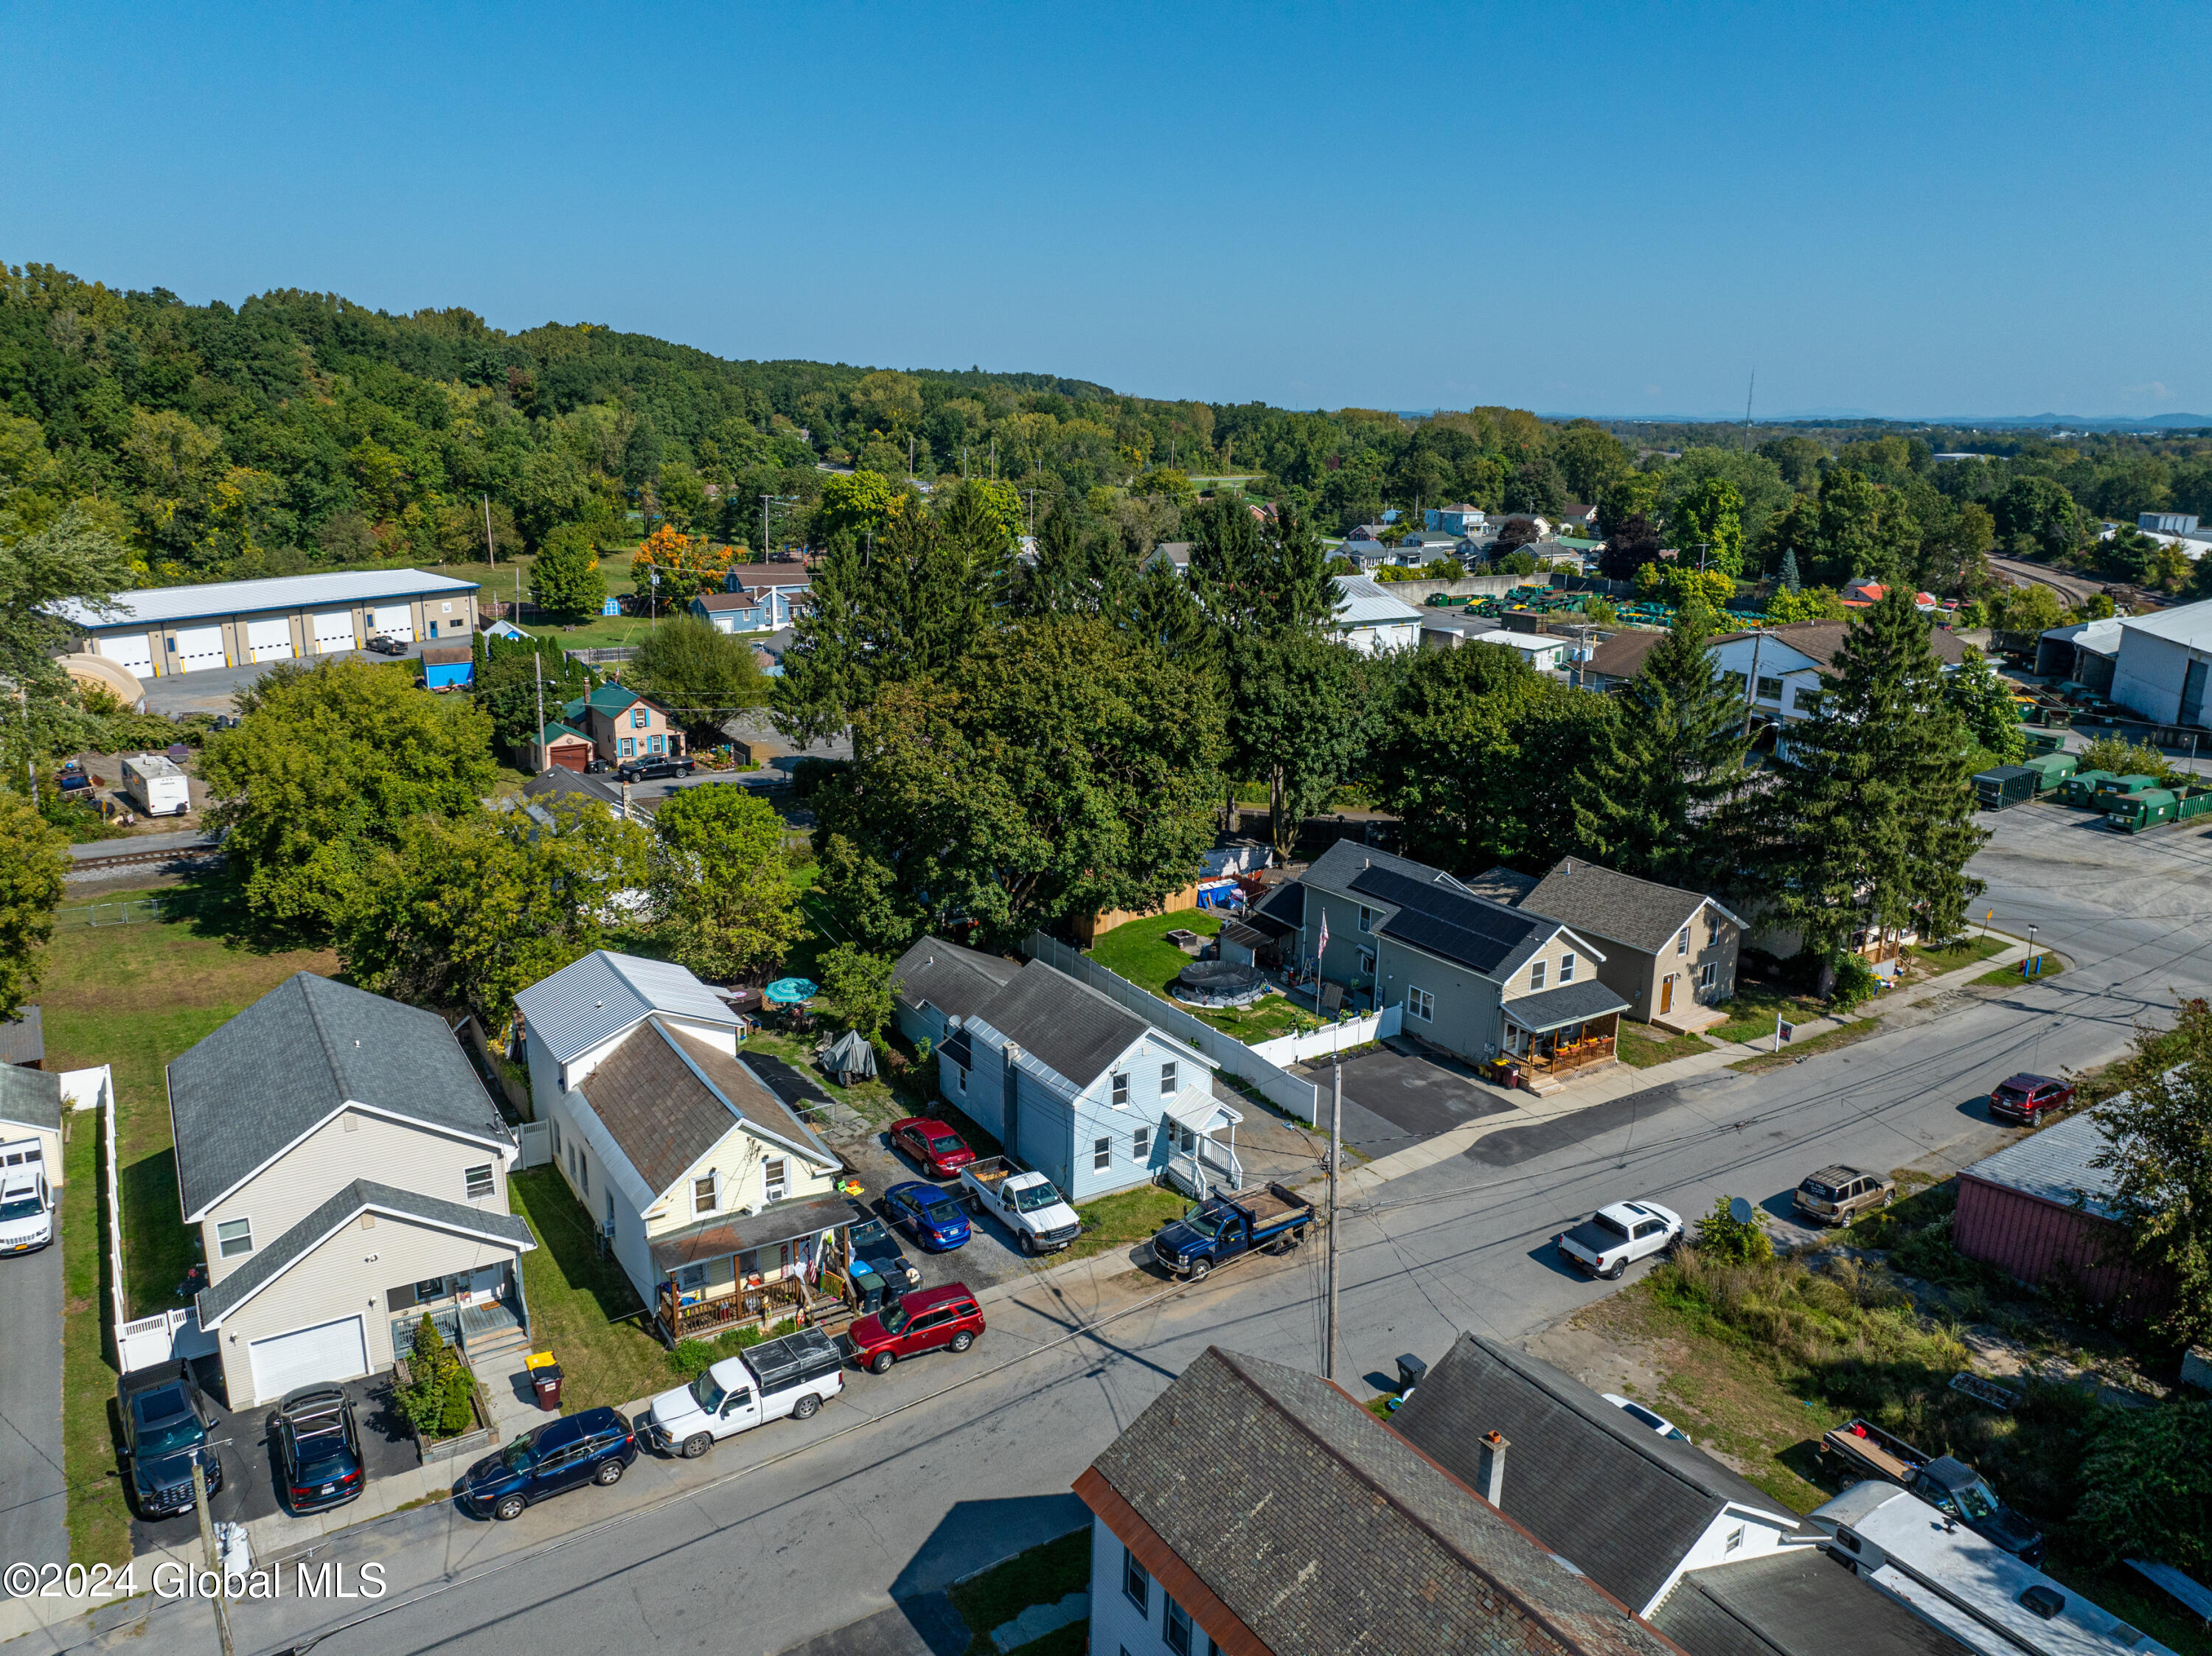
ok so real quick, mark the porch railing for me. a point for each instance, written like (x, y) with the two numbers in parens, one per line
(1196, 1173)
(1581, 1055)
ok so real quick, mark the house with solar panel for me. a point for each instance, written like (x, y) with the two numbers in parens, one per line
(1476, 976)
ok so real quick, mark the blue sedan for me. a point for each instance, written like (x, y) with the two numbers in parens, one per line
(927, 1214)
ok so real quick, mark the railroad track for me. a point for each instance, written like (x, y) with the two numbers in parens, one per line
(140, 858)
(2071, 588)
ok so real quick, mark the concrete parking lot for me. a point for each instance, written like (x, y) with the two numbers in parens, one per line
(213, 690)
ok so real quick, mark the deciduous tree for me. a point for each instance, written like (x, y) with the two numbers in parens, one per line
(2157, 1155)
(721, 895)
(34, 863)
(566, 577)
(702, 675)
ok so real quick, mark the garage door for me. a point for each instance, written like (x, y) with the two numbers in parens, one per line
(133, 651)
(574, 757)
(269, 641)
(333, 631)
(328, 1352)
(396, 621)
(199, 647)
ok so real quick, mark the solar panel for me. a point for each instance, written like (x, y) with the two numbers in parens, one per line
(1451, 943)
(1469, 929)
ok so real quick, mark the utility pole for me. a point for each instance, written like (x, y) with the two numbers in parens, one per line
(909, 459)
(214, 1559)
(1750, 684)
(1335, 1156)
(537, 669)
(491, 548)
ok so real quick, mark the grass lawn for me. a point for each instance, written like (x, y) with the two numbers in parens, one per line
(1137, 950)
(1044, 1574)
(2006, 977)
(1641, 1050)
(582, 1307)
(1124, 1219)
(1935, 962)
(1792, 1051)
(1753, 1010)
(99, 1521)
(1263, 1020)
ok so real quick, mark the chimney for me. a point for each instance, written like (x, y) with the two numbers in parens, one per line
(1489, 1473)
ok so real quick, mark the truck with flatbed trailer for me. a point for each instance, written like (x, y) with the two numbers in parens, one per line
(1227, 1225)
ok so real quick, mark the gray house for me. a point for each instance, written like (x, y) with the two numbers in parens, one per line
(348, 1174)
(1070, 1082)
(1476, 976)
(1670, 953)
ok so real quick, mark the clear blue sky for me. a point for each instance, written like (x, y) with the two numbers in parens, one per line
(1908, 209)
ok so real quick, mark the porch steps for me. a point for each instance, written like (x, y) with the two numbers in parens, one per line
(489, 1348)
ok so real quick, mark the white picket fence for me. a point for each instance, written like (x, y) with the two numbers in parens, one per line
(1280, 1088)
(1336, 1038)
(143, 1342)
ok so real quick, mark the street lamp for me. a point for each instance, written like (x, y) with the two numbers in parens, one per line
(2031, 961)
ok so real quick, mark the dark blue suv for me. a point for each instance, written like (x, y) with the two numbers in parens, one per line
(165, 1422)
(596, 1447)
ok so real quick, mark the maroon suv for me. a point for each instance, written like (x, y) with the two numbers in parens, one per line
(2027, 1099)
(927, 1320)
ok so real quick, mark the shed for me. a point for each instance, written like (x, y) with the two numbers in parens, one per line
(31, 1117)
(2005, 787)
(2041, 1212)
(24, 1038)
(448, 666)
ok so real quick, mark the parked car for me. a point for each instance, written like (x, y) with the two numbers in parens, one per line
(653, 765)
(790, 1376)
(1836, 1195)
(317, 1448)
(26, 1209)
(1222, 1226)
(1643, 1416)
(1614, 1238)
(1027, 1204)
(927, 1214)
(873, 1242)
(1859, 1449)
(936, 1146)
(934, 1320)
(385, 646)
(2027, 1099)
(165, 1422)
(596, 1447)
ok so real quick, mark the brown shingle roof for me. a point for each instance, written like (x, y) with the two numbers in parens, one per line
(1821, 640)
(751, 1094)
(659, 1113)
(1622, 655)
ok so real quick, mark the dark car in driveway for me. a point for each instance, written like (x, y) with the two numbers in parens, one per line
(2027, 1099)
(165, 1422)
(385, 646)
(318, 1444)
(653, 765)
(596, 1447)
(931, 1215)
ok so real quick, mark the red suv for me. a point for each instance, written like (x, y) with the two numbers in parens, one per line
(933, 1143)
(928, 1319)
(2027, 1099)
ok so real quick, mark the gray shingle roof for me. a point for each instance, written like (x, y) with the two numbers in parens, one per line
(2054, 1164)
(1623, 1502)
(1571, 1003)
(272, 1259)
(599, 996)
(1063, 1023)
(1798, 1602)
(1600, 902)
(1503, 885)
(957, 981)
(289, 1061)
(23, 1037)
(34, 1097)
(1321, 1530)
(1335, 869)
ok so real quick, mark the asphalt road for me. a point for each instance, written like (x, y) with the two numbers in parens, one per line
(33, 1512)
(211, 690)
(947, 1464)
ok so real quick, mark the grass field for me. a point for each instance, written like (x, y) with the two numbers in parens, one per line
(1753, 1011)
(1640, 1048)
(1935, 962)
(1124, 1219)
(2006, 977)
(1138, 950)
(1843, 1036)
(582, 1307)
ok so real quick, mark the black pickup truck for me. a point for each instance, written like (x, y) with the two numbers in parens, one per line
(1222, 1226)
(1859, 1449)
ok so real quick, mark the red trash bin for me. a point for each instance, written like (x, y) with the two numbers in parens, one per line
(546, 1380)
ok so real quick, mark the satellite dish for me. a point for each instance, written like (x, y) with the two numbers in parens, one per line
(1739, 1210)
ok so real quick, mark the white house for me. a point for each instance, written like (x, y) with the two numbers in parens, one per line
(1370, 620)
(697, 1173)
(2162, 662)
(1779, 668)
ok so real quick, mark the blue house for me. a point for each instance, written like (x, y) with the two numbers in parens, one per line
(1071, 1083)
(1461, 520)
(755, 599)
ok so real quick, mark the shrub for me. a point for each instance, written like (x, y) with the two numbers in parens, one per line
(1737, 1242)
(425, 1399)
(455, 1417)
(1855, 982)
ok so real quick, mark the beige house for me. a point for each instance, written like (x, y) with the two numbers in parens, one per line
(347, 1172)
(717, 1198)
(30, 1119)
(1669, 953)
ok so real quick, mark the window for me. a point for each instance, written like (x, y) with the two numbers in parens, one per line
(639, 719)
(1536, 975)
(556, 1126)
(1366, 962)
(1140, 1144)
(1734, 1539)
(774, 1184)
(1168, 1082)
(702, 1195)
(1422, 1005)
(1567, 967)
(1179, 1628)
(583, 1173)
(652, 744)
(1708, 974)
(1769, 689)
(959, 1078)
(1366, 917)
(1102, 1154)
(691, 1277)
(1682, 942)
(235, 1237)
(477, 1182)
(1121, 1092)
(430, 1288)
(1712, 931)
(628, 748)
(1136, 1584)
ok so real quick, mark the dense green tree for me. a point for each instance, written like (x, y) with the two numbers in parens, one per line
(721, 896)
(565, 577)
(853, 506)
(69, 556)
(1797, 458)
(1589, 459)
(327, 770)
(1710, 515)
(1633, 542)
(1759, 486)
(2023, 610)
(1299, 723)
(1659, 798)
(34, 863)
(2157, 1157)
(2035, 517)
(1870, 824)
(860, 990)
(1983, 703)
(2147, 1479)
(703, 675)
(1535, 486)
(1851, 529)
(1254, 576)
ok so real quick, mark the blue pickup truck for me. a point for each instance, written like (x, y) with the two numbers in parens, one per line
(1225, 1225)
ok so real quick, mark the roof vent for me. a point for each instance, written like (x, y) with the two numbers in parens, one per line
(598, 1006)
(356, 1043)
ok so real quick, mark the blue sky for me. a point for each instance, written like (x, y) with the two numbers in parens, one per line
(1907, 209)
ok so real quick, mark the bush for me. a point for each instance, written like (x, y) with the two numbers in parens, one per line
(692, 1358)
(2122, 758)
(425, 1399)
(1736, 1242)
(456, 1416)
(1856, 983)
(2147, 1485)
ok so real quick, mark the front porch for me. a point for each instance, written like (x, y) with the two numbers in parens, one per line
(481, 1313)
(750, 1270)
(1200, 1160)
(1562, 1033)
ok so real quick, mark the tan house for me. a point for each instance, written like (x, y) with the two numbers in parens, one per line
(347, 1173)
(31, 1120)
(718, 1200)
(623, 724)
(1669, 953)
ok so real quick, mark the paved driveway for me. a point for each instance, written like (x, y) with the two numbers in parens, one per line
(33, 1507)
(210, 690)
(1393, 1099)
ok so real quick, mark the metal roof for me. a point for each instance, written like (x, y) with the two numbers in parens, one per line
(2186, 623)
(599, 996)
(159, 605)
(1363, 603)
(2054, 1164)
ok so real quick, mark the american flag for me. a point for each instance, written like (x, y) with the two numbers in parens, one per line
(1322, 948)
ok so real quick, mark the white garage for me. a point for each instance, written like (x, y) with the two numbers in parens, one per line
(131, 650)
(332, 630)
(395, 620)
(199, 647)
(269, 640)
(305, 1357)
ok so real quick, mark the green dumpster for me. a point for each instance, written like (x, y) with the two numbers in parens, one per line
(2115, 788)
(2080, 788)
(2051, 770)
(2131, 813)
(2005, 787)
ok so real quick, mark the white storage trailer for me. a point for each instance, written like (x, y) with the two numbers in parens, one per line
(153, 781)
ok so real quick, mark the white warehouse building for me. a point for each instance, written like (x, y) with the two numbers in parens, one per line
(163, 631)
(2160, 667)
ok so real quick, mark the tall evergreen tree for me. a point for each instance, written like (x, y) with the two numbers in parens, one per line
(1788, 578)
(1657, 801)
(1871, 823)
(1253, 576)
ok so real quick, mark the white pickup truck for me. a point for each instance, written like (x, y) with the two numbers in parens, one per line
(1027, 1204)
(1608, 1241)
(788, 1376)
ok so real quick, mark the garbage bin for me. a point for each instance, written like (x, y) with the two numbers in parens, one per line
(1411, 1371)
(546, 1380)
